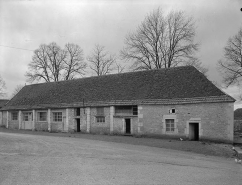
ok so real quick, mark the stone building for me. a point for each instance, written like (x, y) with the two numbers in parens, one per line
(174, 102)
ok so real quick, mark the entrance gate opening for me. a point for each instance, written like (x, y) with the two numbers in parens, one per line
(194, 131)
(128, 126)
(78, 129)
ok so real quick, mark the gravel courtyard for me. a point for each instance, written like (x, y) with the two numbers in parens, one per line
(200, 147)
(38, 159)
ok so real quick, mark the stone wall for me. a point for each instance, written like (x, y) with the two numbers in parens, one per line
(71, 121)
(40, 125)
(4, 118)
(13, 124)
(100, 128)
(135, 125)
(83, 120)
(118, 124)
(215, 120)
(1, 118)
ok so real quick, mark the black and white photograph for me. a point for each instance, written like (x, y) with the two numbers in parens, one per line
(121, 92)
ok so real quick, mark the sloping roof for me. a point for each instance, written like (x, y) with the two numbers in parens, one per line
(238, 114)
(3, 102)
(181, 84)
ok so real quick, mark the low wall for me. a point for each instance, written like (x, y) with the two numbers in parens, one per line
(41, 126)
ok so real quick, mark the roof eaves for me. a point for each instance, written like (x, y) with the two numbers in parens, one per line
(211, 99)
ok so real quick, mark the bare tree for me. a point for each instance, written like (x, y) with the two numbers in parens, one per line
(162, 42)
(16, 90)
(51, 63)
(231, 65)
(198, 64)
(74, 64)
(101, 62)
(2, 87)
(119, 68)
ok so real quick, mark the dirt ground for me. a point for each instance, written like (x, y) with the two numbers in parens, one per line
(39, 159)
(200, 147)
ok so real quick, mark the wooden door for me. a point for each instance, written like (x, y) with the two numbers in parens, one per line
(27, 121)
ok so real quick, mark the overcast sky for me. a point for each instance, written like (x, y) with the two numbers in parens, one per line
(28, 23)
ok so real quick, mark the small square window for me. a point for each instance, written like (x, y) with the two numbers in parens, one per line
(14, 116)
(57, 116)
(172, 111)
(100, 119)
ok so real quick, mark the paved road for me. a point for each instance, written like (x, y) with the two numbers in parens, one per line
(34, 159)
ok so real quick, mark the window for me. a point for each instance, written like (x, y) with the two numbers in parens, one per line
(172, 111)
(57, 116)
(27, 116)
(78, 111)
(128, 110)
(100, 111)
(135, 110)
(170, 125)
(14, 116)
(100, 119)
(42, 116)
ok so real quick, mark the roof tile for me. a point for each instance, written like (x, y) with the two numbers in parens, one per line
(161, 84)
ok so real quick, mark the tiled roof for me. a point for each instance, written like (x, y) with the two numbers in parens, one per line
(163, 86)
(238, 114)
(3, 102)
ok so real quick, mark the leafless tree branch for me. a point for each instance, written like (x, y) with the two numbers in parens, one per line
(162, 42)
(119, 67)
(16, 90)
(51, 63)
(101, 62)
(231, 65)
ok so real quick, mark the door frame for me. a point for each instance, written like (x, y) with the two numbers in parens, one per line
(124, 125)
(194, 131)
(78, 130)
(29, 122)
(194, 120)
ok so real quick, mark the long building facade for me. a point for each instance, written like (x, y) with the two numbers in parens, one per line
(175, 102)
